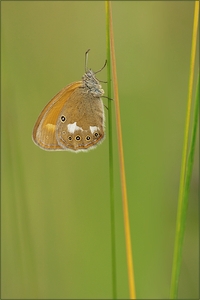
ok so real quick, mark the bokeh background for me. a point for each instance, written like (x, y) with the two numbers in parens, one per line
(56, 237)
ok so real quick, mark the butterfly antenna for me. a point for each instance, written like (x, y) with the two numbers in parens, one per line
(86, 59)
(101, 68)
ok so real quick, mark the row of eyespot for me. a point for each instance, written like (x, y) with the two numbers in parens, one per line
(78, 138)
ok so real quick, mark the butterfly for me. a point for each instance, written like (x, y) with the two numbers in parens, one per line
(74, 118)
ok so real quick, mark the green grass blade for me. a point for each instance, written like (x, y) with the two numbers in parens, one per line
(131, 281)
(112, 202)
(186, 168)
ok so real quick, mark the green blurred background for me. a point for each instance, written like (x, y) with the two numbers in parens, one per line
(56, 239)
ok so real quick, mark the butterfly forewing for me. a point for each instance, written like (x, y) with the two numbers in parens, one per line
(45, 128)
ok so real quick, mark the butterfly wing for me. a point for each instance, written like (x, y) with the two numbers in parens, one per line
(44, 132)
(80, 124)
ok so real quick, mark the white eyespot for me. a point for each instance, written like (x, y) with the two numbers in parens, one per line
(93, 129)
(87, 138)
(96, 134)
(63, 119)
(73, 127)
(78, 138)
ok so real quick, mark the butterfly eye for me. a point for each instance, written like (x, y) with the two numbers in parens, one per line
(87, 137)
(63, 118)
(78, 137)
